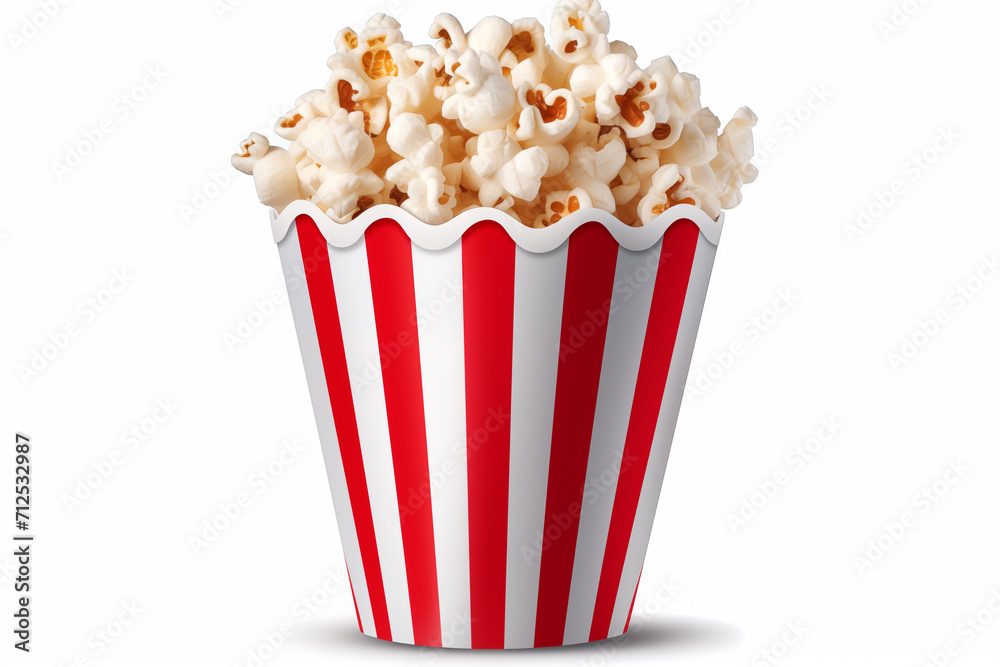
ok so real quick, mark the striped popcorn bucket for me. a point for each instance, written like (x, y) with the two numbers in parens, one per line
(496, 406)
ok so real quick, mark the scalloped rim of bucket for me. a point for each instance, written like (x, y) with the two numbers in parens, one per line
(439, 237)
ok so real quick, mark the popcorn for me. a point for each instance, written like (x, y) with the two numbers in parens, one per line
(345, 196)
(558, 158)
(420, 146)
(340, 142)
(580, 31)
(430, 198)
(491, 35)
(683, 99)
(640, 165)
(310, 179)
(592, 170)
(698, 143)
(497, 117)
(633, 100)
(374, 51)
(484, 100)
(273, 171)
(547, 117)
(662, 194)
(251, 151)
(350, 91)
(501, 171)
(413, 90)
(559, 205)
(732, 167)
(449, 30)
(673, 185)
(526, 55)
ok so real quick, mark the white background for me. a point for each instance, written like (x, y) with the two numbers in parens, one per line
(711, 594)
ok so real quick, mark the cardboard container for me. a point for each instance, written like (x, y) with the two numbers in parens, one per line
(496, 406)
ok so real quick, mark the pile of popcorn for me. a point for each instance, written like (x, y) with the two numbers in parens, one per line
(498, 118)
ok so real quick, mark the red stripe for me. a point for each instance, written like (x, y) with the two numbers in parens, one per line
(590, 274)
(390, 263)
(488, 256)
(355, 599)
(676, 260)
(316, 262)
(628, 620)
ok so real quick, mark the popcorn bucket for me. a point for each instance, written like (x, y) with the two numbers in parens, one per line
(495, 406)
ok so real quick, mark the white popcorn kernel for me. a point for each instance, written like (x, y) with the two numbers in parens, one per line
(587, 80)
(701, 188)
(339, 143)
(430, 198)
(698, 143)
(252, 149)
(413, 90)
(491, 35)
(593, 170)
(673, 185)
(526, 74)
(484, 100)
(345, 196)
(411, 137)
(684, 89)
(526, 45)
(580, 31)
(488, 152)
(633, 101)
(501, 171)
(276, 180)
(732, 167)
(683, 101)
(547, 117)
(419, 144)
(522, 176)
(562, 204)
(373, 53)
(273, 171)
(349, 90)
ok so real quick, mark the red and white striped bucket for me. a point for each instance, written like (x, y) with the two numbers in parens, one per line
(496, 406)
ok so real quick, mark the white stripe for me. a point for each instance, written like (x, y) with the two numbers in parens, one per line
(539, 284)
(354, 299)
(298, 297)
(694, 304)
(437, 280)
(635, 278)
